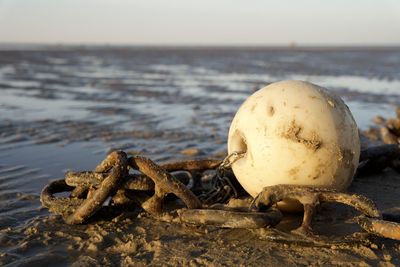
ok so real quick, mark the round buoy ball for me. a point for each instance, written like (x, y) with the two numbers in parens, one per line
(294, 132)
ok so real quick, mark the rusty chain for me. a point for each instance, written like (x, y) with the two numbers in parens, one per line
(150, 185)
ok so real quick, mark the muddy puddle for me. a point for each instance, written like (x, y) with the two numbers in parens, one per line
(65, 108)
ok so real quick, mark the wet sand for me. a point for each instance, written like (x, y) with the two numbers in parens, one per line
(66, 109)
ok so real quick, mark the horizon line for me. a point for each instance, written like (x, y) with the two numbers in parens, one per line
(55, 45)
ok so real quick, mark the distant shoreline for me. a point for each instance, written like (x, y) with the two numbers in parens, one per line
(61, 47)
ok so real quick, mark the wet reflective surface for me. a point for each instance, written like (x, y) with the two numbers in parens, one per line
(67, 108)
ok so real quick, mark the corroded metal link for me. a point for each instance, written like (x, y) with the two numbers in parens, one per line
(89, 190)
(379, 227)
(59, 205)
(79, 192)
(358, 202)
(130, 182)
(76, 210)
(230, 218)
(165, 183)
(310, 195)
(94, 179)
(232, 158)
(192, 165)
(85, 179)
(139, 181)
(116, 163)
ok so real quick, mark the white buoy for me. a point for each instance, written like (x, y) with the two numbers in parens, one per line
(294, 132)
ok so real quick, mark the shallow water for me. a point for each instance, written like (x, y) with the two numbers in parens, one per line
(65, 108)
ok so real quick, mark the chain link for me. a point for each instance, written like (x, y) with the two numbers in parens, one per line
(223, 187)
(111, 176)
(232, 158)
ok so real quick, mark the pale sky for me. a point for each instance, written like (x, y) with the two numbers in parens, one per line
(201, 22)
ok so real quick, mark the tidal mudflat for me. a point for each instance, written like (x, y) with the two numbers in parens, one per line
(65, 108)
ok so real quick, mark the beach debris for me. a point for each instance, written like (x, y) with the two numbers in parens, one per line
(224, 185)
(380, 227)
(164, 183)
(115, 165)
(294, 132)
(386, 130)
(310, 197)
(230, 218)
(151, 185)
(59, 205)
(321, 167)
(386, 151)
(146, 190)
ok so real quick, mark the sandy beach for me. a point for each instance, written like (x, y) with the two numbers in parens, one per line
(66, 108)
